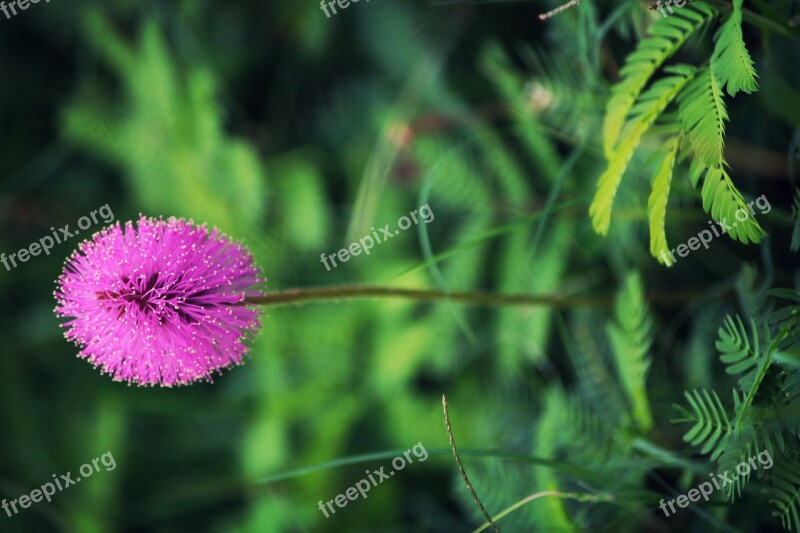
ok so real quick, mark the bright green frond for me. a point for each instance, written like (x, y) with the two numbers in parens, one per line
(650, 106)
(726, 205)
(657, 203)
(703, 115)
(731, 62)
(667, 35)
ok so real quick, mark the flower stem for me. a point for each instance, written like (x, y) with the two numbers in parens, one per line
(350, 292)
(354, 292)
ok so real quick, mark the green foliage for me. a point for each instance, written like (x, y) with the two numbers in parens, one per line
(711, 426)
(146, 133)
(765, 405)
(723, 201)
(702, 112)
(731, 62)
(703, 115)
(659, 196)
(785, 492)
(651, 104)
(736, 352)
(550, 439)
(667, 35)
(297, 134)
(631, 338)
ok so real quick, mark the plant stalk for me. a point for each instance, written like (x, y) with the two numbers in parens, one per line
(354, 292)
(477, 298)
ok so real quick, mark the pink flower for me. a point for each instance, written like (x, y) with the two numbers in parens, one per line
(162, 303)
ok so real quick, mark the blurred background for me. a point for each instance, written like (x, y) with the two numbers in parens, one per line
(296, 133)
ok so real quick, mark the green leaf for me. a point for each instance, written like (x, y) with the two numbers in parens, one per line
(736, 351)
(711, 424)
(650, 106)
(731, 62)
(657, 203)
(785, 492)
(631, 338)
(667, 35)
(703, 115)
(726, 205)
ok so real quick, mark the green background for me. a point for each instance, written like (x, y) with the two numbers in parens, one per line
(296, 133)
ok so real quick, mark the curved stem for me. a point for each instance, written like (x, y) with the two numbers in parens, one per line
(461, 468)
(584, 497)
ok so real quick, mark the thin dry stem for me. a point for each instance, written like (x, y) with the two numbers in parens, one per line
(559, 9)
(461, 467)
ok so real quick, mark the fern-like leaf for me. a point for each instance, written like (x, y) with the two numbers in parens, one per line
(785, 492)
(657, 202)
(739, 355)
(703, 114)
(650, 106)
(790, 387)
(667, 35)
(785, 320)
(738, 447)
(726, 205)
(696, 168)
(631, 337)
(731, 62)
(711, 424)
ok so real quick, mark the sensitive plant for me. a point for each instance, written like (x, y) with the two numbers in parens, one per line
(685, 110)
(573, 387)
(160, 302)
(167, 302)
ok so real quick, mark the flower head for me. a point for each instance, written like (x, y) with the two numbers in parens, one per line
(160, 303)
